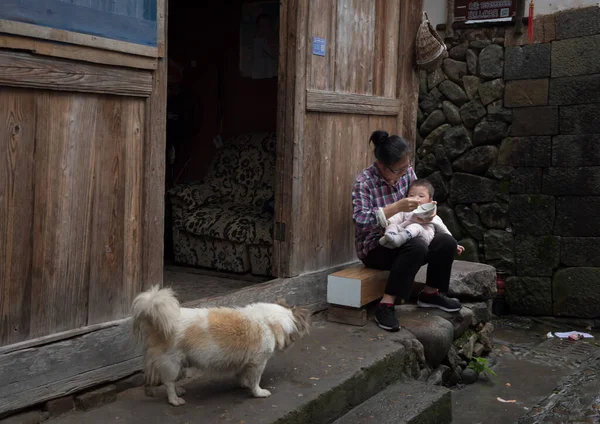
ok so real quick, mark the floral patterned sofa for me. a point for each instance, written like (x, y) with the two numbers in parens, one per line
(224, 222)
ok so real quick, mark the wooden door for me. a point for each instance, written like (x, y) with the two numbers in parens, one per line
(347, 69)
(82, 107)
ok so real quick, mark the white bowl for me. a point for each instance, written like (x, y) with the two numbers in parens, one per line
(425, 211)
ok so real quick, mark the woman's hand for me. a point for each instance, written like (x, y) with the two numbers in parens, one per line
(407, 205)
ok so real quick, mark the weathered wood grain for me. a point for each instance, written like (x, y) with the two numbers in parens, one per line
(74, 52)
(31, 376)
(327, 101)
(283, 173)
(115, 226)
(62, 211)
(153, 201)
(407, 87)
(26, 70)
(17, 146)
(355, 40)
(70, 37)
(322, 21)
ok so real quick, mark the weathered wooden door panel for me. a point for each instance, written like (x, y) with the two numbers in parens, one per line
(70, 215)
(363, 82)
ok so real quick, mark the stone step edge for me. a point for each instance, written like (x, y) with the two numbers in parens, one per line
(400, 365)
(426, 404)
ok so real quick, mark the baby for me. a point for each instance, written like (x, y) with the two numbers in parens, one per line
(405, 226)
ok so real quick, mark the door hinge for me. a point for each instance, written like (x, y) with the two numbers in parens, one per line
(279, 231)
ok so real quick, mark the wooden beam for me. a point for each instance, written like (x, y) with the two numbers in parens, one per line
(70, 37)
(328, 101)
(408, 81)
(27, 70)
(350, 316)
(519, 15)
(153, 202)
(74, 52)
(449, 18)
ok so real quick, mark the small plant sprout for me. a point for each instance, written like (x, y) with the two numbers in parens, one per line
(480, 365)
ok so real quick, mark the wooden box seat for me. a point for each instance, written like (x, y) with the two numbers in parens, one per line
(356, 286)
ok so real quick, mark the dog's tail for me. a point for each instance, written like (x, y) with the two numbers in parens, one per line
(156, 309)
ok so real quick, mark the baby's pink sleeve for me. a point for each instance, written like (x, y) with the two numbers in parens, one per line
(398, 219)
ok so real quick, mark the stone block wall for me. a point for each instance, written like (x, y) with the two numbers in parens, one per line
(509, 135)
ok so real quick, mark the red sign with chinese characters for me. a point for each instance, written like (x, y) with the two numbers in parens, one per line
(483, 10)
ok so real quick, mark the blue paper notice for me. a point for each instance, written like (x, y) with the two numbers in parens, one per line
(319, 46)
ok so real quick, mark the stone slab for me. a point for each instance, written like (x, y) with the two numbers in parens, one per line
(580, 119)
(537, 256)
(468, 280)
(526, 152)
(467, 189)
(461, 320)
(525, 93)
(577, 216)
(576, 292)
(576, 150)
(527, 62)
(313, 382)
(526, 181)
(436, 334)
(404, 403)
(578, 22)
(529, 295)
(531, 214)
(482, 311)
(535, 121)
(576, 56)
(580, 181)
(574, 90)
(500, 250)
(580, 251)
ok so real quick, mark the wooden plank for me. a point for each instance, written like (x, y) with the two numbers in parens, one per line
(327, 101)
(321, 23)
(283, 171)
(26, 70)
(355, 42)
(161, 27)
(390, 50)
(68, 16)
(68, 366)
(17, 146)
(134, 121)
(62, 211)
(350, 316)
(408, 81)
(116, 225)
(297, 114)
(153, 201)
(70, 37)
(74, 52)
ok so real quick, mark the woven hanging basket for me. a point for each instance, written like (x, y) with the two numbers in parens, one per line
(430, 48)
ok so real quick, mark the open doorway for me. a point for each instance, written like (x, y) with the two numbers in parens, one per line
(221, 126)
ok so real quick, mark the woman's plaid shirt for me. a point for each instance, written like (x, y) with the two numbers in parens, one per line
(370, 193)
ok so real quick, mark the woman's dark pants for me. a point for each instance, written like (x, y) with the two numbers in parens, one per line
(405, 261)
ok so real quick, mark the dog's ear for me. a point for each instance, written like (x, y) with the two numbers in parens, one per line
(281, 302)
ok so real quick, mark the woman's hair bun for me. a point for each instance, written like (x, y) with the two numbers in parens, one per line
(378, 137)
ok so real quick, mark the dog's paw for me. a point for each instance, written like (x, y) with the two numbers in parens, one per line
(180, 391)
(261, 393)
(177, 402)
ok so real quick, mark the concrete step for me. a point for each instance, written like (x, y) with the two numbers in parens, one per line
(318, 380)
(404, 403)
